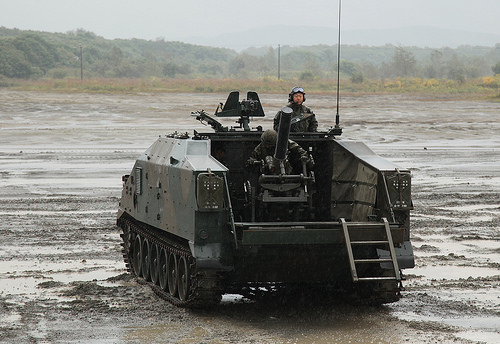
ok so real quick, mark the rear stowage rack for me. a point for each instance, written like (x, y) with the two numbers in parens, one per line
(382, 240)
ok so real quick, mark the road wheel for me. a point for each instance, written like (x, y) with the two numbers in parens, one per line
(137, 256)
(145, 259)
(154, 263)
(172, 274)
(183, 278)
(163, 270)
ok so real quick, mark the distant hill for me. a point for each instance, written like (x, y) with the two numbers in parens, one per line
(308, 54)
(418, 36)
(35, 54)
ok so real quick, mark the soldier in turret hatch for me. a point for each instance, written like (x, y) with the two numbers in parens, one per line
(264, 152)
(303, 119)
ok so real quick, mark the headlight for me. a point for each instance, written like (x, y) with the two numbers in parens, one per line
(210, 191)
(399, 188)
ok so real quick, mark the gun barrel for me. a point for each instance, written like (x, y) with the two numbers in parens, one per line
(283, 133)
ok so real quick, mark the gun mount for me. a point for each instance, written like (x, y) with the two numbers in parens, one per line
(250, 107)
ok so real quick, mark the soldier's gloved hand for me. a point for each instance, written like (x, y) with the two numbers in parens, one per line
(253, 162)
(269, 161)
(310, 164)
(308, 160)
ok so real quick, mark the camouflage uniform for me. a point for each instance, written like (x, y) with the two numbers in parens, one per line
(303, 119)
(267, 147)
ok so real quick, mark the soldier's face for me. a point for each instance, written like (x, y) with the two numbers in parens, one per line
(298, 98)
(268, 147)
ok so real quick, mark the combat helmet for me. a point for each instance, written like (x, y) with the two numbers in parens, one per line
(296, 90)
(269, 137)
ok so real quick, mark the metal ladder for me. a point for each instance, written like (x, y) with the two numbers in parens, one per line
(387, 241)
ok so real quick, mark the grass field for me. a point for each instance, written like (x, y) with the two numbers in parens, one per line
(483, 87)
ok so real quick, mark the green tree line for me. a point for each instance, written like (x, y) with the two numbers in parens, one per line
(35, 55)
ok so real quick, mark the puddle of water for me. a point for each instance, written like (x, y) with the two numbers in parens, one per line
(149, 334)
(471, 218)
(480, 336)
(480, 329)
(28, 274)
(27, 286)
(486, 298)
(37, 253)
(21, 286)
(344, 332)
(10, 318)
(447, 242)
(65, 182)
(494, 208)
(55, 213)
(450, 272)
(482, 252)
(97, 275)
(44, 266)
(434, 217)
(479, 323)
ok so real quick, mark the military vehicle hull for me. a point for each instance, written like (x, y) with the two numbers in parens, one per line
(198, 223)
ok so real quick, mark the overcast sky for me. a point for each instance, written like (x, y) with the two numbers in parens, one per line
(179, 19)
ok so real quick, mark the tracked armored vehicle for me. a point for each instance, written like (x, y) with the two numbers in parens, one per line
(199, 221)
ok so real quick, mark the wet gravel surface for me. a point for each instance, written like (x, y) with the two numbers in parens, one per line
(62, 278)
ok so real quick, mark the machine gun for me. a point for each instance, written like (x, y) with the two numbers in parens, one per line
(250, 107)
(203, 117)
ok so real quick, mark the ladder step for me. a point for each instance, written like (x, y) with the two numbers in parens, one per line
(374, 260)
(388, 242)
(377, 279)
(378, 242)
(377, 225)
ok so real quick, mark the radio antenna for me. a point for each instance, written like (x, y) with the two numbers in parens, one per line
(337, 117)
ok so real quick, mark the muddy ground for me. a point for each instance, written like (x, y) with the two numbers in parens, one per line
(62, 278)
